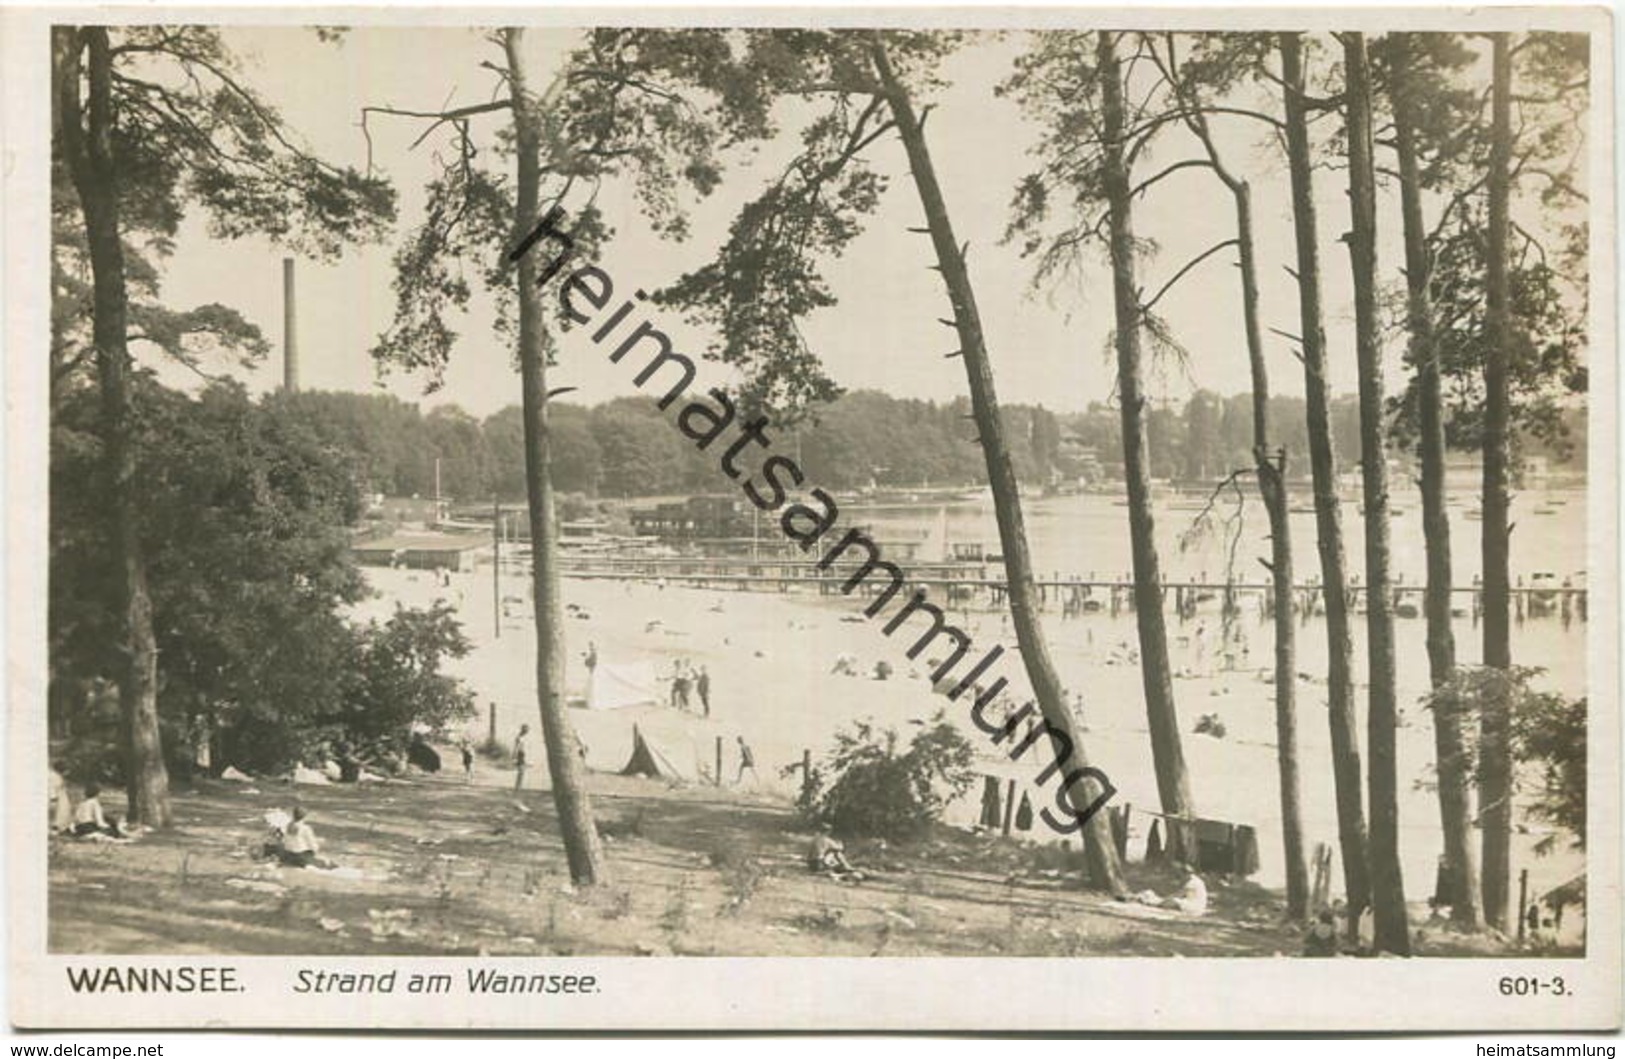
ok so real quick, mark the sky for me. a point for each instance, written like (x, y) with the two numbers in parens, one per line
(1047, 346)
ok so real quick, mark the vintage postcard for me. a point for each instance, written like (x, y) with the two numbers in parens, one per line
(793, 518)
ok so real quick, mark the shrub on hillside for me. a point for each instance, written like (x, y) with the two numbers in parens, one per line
(871, 786)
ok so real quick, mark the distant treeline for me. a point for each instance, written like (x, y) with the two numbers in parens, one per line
(625, 447)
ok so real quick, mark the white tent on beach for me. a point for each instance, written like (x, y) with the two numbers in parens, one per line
(615, 687)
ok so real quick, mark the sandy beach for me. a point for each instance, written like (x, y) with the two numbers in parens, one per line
(771, 656)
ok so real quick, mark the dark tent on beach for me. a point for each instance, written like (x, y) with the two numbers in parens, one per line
(649, 760)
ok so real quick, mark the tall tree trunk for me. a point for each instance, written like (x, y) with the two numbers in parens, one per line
(1495, 768)
(87, 139)
(1271, 473)
(582, 845)
(1340, 716)
(1105, 872)
(1272, 488)
(1449, 741)
(1167, 752)
(1387, 884)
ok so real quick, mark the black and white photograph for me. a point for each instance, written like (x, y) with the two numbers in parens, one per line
(503, 502)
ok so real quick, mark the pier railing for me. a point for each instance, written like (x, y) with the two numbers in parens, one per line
(955, 578)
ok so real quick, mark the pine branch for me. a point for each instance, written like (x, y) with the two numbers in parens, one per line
(1146, 307)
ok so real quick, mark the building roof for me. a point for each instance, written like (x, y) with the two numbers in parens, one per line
(422, 542)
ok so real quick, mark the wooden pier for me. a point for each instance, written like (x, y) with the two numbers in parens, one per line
(968, 583)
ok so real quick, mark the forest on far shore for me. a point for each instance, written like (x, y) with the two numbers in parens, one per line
(625, 448)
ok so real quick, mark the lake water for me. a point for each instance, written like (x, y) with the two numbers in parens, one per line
(1088, 533)
(1234, 778)
(1087, 536)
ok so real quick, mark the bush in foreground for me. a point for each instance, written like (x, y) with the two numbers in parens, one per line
(871, 786)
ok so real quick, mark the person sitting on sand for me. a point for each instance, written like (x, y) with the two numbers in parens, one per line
(1192, 897)
(826, 855)
(88, 818)
(1322, 937)
(299, 844)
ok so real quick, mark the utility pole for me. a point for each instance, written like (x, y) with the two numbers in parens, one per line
(290, 331)
(437, 491)
(496, 565)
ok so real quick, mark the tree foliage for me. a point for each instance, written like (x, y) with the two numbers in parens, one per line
(640, 104)
(243, 531)
(623, 447)
(770, 273)
(1547, 279)
(870, 785)
(1549, 731)
(1548, 734)
(188, 130)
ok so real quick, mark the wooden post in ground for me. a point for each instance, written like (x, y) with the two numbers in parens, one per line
(1009, 807)
(806, 775)
(1523, 903)
(1320, 892)
(719, 761)
(492, 737)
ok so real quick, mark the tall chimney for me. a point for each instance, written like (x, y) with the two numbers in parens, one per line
(290, 331)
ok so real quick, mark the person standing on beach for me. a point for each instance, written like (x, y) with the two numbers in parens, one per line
(519, 757)
(702, 684)
(679, 685)
(747, 762)
(591, 658)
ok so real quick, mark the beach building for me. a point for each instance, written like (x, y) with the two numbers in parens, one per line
(695, 519)
(421, 551)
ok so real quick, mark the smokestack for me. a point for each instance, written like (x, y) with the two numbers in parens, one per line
(290, 331)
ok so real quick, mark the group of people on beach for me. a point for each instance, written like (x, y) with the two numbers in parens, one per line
(685, 678)
(290, 841)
